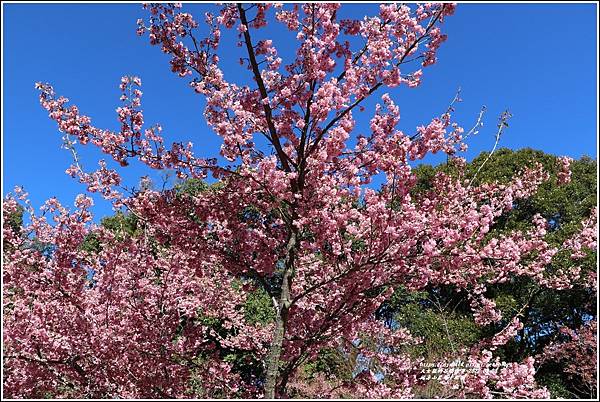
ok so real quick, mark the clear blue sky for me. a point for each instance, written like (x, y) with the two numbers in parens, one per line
(538, 60)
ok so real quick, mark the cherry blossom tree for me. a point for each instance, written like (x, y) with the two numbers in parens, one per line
(159, 311)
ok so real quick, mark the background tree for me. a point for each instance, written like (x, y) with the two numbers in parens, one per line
(440, 315)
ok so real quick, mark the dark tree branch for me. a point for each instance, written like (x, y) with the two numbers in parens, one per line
(273, 137)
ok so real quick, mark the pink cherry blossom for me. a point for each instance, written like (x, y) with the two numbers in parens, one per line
(93, 312)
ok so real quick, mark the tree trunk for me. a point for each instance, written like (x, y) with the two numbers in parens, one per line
(273, 359)
(280, 320)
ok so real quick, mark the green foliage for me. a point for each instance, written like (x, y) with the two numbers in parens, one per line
(121, 224)
(332, 363)
(191, 187)
(542, 310)
(506, 303)
(91, 243)
(14, 220)
(563, 206)
(555, 384)
(258, 308)
(443, 327)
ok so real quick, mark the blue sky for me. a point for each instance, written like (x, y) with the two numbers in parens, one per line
(537, 60)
